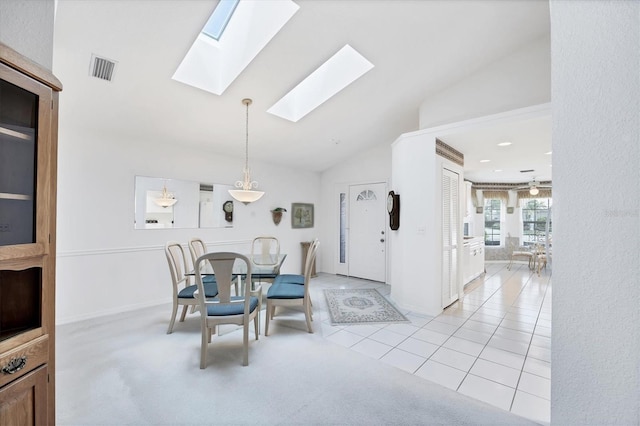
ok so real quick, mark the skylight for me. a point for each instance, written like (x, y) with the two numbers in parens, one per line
(220, 18)
(213, 64)
(342, 69)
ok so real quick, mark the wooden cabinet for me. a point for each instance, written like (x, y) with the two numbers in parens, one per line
(24, 401)
(28, 167)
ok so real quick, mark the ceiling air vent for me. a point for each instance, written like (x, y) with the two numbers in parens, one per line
(527, 171)
(102, 68)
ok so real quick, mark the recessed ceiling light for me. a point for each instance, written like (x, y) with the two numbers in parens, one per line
(548, 153)
(484, 161)
(497, 170)
(504, 144)
(342, 69)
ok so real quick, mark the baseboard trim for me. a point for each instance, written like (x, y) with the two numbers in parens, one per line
(107, 312)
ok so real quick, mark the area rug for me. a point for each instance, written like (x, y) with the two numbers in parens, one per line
(360, 306)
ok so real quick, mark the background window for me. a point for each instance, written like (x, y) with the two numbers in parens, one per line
(492, 217)
(535, 213)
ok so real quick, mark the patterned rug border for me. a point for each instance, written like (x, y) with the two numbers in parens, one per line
(390, 314)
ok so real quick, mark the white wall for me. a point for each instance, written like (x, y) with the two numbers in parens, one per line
(27, 26)
(104, 265)
(595, 360)
(414, 167)
(504, 85)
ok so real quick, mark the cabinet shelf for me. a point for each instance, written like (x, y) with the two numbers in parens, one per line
(18, 197)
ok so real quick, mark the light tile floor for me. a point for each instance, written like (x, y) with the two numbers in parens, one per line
(493, 345)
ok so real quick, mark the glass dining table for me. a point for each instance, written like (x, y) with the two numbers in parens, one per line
(264, 268)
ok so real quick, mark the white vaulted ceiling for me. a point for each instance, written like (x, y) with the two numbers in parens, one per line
(418, 48)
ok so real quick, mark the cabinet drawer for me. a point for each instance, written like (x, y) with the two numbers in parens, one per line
(19, 361)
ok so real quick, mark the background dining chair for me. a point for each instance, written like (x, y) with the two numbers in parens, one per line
(182, 288)
(288, 294)
(522, 254)
(265, 251)
(540, 257)
(197, 248)
(297, 278)
(264, 248)
(225, 309)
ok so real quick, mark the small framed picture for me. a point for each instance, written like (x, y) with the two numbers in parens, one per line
(479, 210)
(301, 215)
(510, 210)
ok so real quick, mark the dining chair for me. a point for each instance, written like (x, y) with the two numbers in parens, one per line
(264, 248)
(265, 251)
(225, 309)
(297, 278)
(541, 256)
(183, 290)
(516, 253)
(288, 294)
(197, 248)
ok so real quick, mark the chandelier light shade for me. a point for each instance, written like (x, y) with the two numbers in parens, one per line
(167, 199)
(246, 194)
(533, 187)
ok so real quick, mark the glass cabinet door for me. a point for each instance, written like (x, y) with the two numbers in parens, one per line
(18, 125)
(25, 114)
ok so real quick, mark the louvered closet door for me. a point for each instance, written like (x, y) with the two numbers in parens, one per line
(450, 226)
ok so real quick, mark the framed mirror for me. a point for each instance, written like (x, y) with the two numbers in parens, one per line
(162, 203)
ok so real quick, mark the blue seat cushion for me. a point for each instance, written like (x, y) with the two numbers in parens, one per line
(285, 291)
(216, 310)
(210, 290)
(290, 279)
(208, 279)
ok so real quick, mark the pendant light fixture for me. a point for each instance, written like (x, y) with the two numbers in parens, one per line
(533, 189)
(246, 194)
(167, 199)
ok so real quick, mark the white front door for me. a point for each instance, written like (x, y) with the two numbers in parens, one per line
(367, 231)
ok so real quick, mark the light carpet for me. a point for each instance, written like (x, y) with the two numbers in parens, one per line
(360, 306)
(125, 370)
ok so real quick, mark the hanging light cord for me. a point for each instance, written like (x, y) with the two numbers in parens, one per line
(246, 184)
(247, 102)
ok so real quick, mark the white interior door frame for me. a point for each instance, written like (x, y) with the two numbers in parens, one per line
(344, 219)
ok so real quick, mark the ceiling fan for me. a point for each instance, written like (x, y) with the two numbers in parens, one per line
(534, 186)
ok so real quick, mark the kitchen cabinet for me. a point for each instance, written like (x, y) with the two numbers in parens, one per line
(28, 170)
(472, 258)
